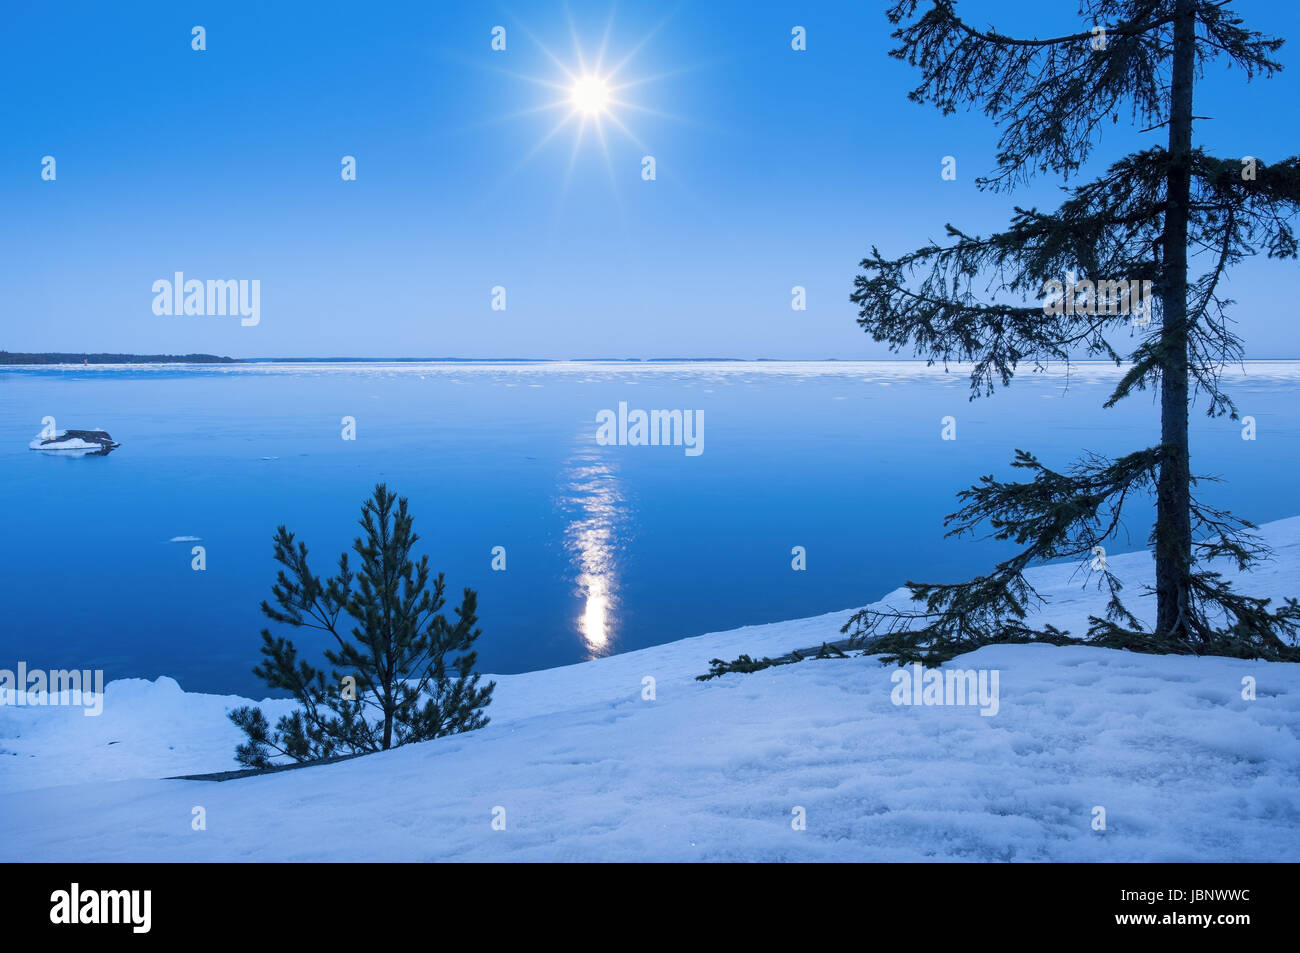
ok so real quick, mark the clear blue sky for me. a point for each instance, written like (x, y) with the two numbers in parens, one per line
(775, 168)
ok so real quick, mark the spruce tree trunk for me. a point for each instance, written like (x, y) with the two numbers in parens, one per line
(390, 703)
(1173, 490)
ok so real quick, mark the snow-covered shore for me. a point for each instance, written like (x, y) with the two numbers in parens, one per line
(583, 767)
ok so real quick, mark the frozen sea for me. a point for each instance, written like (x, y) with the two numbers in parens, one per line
(607, 548)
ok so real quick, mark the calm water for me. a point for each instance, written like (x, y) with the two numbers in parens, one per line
(608, 548)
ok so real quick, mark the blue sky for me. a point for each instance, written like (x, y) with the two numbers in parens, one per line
(775, 168)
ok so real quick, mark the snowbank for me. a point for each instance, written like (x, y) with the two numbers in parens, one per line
(583, 767)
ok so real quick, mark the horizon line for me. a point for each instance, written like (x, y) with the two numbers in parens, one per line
(216, 358)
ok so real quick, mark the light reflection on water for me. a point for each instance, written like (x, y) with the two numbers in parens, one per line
(594, 499)
(840, 457)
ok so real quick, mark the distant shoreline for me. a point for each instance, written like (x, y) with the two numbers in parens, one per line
(54, 357)
(14, 359)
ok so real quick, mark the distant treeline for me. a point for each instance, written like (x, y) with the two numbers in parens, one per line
(52, 358)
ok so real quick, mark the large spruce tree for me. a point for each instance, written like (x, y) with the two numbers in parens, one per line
(400, 671)
(970, 300)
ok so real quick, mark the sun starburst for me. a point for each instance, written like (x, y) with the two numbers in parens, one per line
(592, 94)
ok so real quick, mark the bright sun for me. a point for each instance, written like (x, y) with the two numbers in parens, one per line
(590, 94)
(590, 99)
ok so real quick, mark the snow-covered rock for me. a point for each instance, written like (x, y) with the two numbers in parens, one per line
(78, 442)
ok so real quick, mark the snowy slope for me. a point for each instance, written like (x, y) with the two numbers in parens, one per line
(1185, 768)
